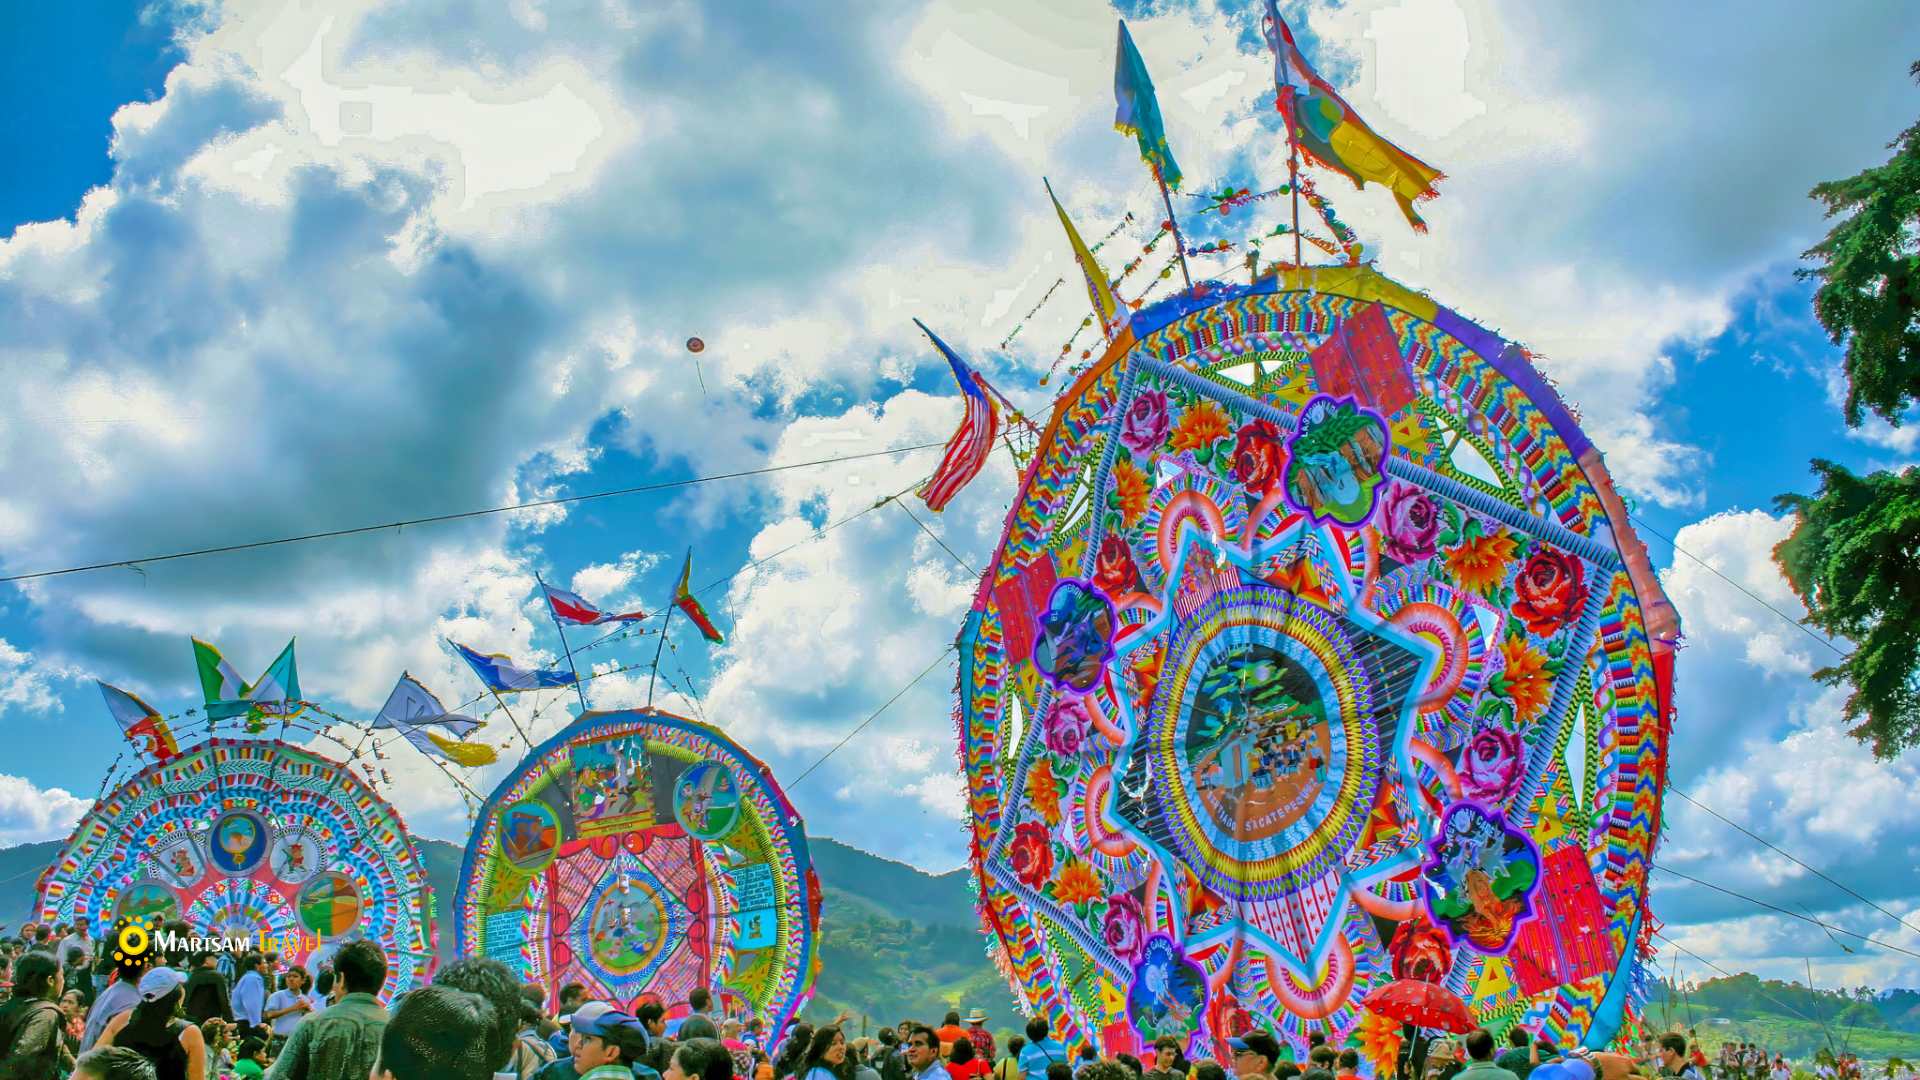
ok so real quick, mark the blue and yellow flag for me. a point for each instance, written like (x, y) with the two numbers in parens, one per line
(1138, 112)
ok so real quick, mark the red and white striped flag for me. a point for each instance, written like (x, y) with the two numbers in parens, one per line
(573, 608)
(968, 449)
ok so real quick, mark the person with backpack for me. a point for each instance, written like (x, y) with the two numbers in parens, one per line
(31, 1022)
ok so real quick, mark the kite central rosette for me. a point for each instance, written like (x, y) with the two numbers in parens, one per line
(644, 855)
(244, 837)
(1316, 652)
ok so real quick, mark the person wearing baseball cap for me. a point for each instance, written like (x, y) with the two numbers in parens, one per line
(606, 1044)
(1254, 1054)
(155, 1030)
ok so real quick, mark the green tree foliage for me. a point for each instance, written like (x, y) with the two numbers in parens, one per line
(1854, 558)
(1868, 268)
(1854, 554)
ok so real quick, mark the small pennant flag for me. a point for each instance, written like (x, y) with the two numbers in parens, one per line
(967, 450)
(573, 608)
(1138, 110)
(503, 676)
(140, 722)
(1099, 290)
(684, 599)
(1333, 136)
(411, 709)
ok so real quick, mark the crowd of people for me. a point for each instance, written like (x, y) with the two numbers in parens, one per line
(75, 1013)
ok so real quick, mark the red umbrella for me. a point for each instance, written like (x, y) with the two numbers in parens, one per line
(1423, 1004)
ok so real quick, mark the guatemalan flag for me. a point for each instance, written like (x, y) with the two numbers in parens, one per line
(503, 676)
(968, 449)
(573, 608)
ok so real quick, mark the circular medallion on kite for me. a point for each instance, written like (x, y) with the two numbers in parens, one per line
(240, 837)
(644, 855)
(1317, 654)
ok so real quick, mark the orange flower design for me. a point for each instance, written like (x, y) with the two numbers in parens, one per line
(1529, 684)
(1130, 486)
(1077, 884)
(1480, 563)
(1379, 1042)
(1202, 424)
(1042, 792)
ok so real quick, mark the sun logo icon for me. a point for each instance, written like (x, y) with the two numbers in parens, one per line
(133, 939)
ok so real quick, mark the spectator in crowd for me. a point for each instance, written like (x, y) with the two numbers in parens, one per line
(31, 1022)
(826, 1056)
(1480, 1048)
(607, 1044)
(977, 1033)
(1254, 1055)
(1522, 1052)
(497, 983)
(286, 1008)
(950, 1032)
(1008, 1067)
(342, 1043)
(250, 1058)
(923, 1054)
(438, 1032)
(964, 1063)
(206, 994)
(249, 999)
(113, 1063)
(156, 1031)
(1041, 1052)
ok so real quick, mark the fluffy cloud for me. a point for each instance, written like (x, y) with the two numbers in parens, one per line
(29, 813)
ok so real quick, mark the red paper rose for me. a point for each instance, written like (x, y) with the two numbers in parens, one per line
(1419, 951)
(1031, 854)
(1259, 458)
(1551, 590)
(1114, 571)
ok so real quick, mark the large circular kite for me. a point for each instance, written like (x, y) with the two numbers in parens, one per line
(643, 855)
(1317, 653)
(241, 838)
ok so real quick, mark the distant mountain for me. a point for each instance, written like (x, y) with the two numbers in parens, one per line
(1791, 1019)
(896, 941)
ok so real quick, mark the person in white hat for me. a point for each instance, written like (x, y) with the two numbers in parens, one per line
(978, 1034)
(155, 1030)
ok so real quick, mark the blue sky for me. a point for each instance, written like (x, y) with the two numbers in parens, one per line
(287, 270)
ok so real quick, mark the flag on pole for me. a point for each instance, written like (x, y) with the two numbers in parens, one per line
(220, 684)
(572, 607)
(1099, 289)
(1332, 135)
(411, 709)
(1138, 112)
(684, 599)
(277, 692)
(967, 450)
(503, 676)
(140, 722)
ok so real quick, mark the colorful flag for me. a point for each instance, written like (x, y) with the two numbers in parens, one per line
(140, 721)
(684, 599)
(572, 607)
(220, 685)
(411, 709)
(967, 450)
(1099, 290)
(277, 692)
(1138, 112)
(503, 676)
(1331, 134)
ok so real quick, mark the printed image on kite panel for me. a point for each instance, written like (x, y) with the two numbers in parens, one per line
(241, 836)
(643, 855)
(1352, 686)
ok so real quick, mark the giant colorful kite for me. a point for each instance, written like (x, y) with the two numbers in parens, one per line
(239, 837)
(1317, 653)
(643, 855)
